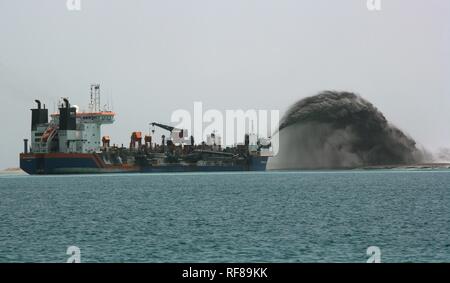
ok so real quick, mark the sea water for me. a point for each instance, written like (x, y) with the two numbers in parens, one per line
(312, 216)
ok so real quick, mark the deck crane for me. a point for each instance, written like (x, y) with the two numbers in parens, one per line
(162, 126)
(175, 133)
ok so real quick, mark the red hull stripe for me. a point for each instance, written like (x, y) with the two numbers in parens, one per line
(98, 161)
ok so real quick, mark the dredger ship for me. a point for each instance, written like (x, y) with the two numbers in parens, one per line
(71, 143)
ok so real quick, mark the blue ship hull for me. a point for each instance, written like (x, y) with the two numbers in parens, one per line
(75, 163)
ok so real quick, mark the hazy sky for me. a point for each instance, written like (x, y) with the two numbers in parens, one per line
(154, 57)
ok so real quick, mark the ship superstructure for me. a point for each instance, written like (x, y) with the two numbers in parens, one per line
(71, 142)
(69, 130)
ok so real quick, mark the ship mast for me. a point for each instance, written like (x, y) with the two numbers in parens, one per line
(94, 105)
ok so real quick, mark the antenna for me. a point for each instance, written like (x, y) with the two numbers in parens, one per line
(112, 102)
(107, 102)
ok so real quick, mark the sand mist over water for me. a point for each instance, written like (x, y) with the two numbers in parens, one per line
(340, 130)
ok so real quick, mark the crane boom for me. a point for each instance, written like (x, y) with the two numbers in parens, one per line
(165, 127)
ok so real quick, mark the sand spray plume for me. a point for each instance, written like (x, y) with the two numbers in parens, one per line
(340, 130)
(442, 155)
